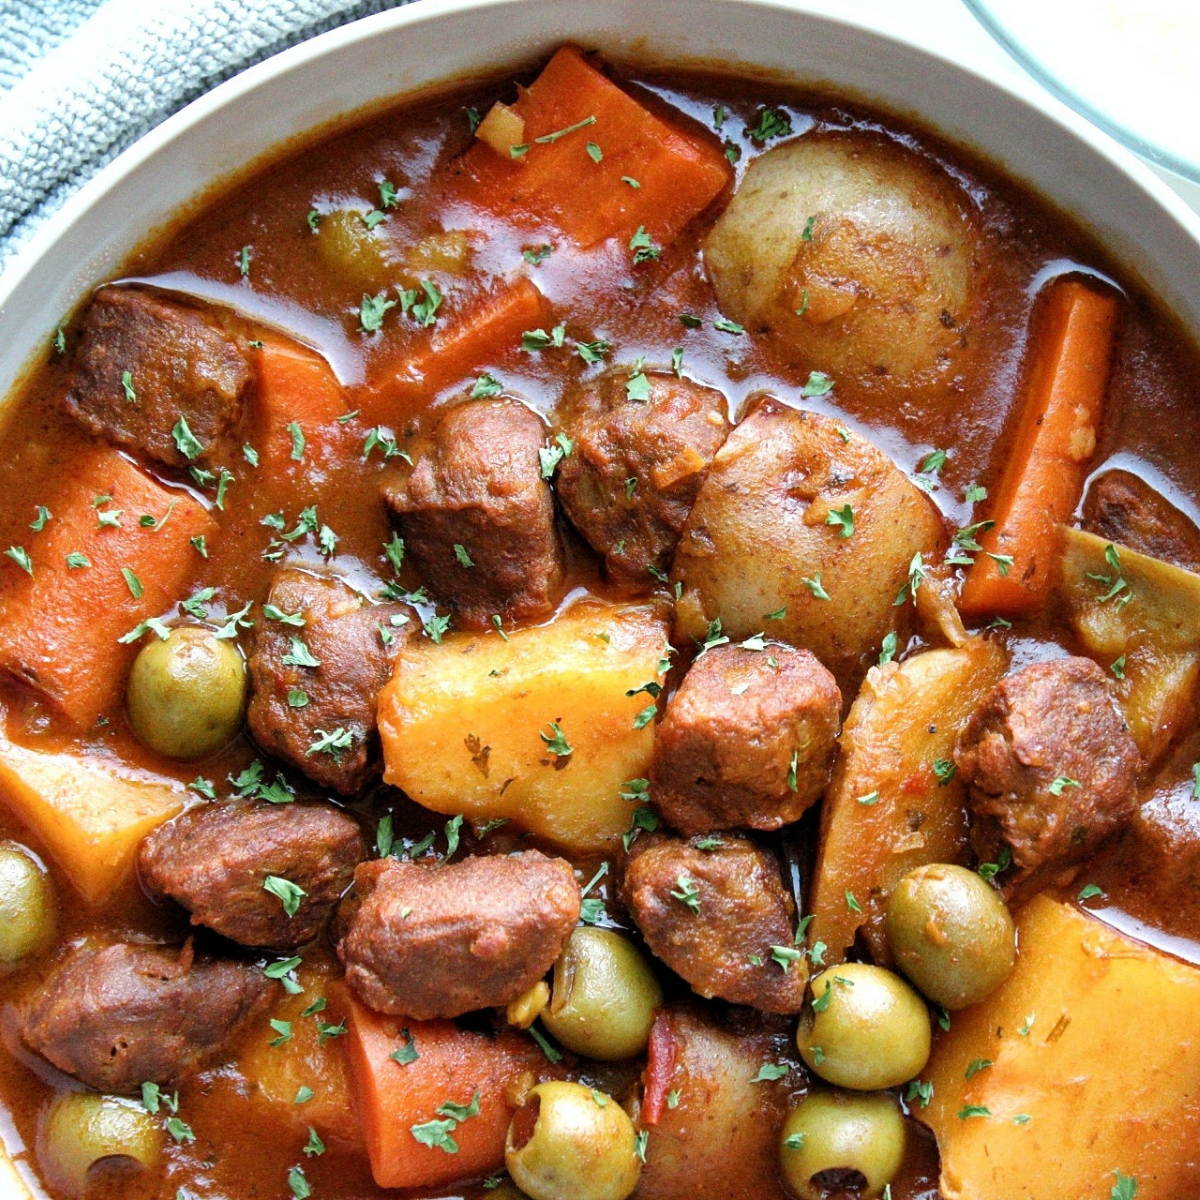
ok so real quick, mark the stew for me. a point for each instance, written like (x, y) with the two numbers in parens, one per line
(625, 634)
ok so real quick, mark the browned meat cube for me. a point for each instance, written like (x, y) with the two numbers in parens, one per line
(1052, 771)
(746, 741)
(145, 363)
(126, 1015)
(1125, 509)
(214, 860)
(477, 518)
(636, 466)
(714, 910)
(313, 686)
(426, 941)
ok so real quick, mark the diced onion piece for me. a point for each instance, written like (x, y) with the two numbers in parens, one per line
(502, 129)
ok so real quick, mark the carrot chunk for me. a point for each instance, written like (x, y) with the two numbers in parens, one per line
(482, 336)
(1060, 409)
(559, 180)
(413, 1083)
(297, 402)
(96, 571)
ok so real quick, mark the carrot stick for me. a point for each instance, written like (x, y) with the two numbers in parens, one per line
(403, 1072)
(59, 625)
(1060, 409)
(479, 337)
(297, 390)
(558, 181)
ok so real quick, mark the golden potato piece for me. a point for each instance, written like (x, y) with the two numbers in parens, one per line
(856, 253)
(759, 539)
(537, 728)
(1090, 1066)
(90, 813)
(894, 803)
(1155, 633)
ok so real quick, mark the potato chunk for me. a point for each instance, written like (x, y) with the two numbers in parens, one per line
(857, 254)
(759, 539)
(537, 728)
(1091, 1066)
(89, 814)
(890, 806)
(277, 1074)
(1152, 625)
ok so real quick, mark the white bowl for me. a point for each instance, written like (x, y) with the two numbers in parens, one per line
(1011, 122)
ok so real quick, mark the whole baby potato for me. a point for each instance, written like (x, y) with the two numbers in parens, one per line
(856, 253)
(760, 540)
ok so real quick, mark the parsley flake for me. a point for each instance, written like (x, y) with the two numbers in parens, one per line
(288, 893)
(556, 741)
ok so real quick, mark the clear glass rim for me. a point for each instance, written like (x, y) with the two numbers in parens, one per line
(1146, 149)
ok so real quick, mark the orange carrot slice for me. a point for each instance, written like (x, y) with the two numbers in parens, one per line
(96, 572)
(1060, 410)
(408, 1076)
(676, 173)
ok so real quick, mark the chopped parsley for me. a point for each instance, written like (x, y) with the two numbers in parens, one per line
(842, 519)
(186, 441)
(772, 123)
(814, 585)
(556, 741)
(407, 1053)
(1062, 783)
(288, 893)
(643, 247)
(769, 1072)
(372, 310)
(21, 558)
(817, 384)
(486, 385)
(687, 892)
(546, 138)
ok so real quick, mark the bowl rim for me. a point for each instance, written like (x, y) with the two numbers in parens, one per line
(1022, 88)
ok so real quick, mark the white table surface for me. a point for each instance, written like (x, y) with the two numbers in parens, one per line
(961, 36)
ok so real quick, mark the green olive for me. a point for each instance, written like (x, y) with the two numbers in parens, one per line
(951, 934)
(842, 1140)
(186, 694)
(26, 904)
(866, 1028)
(604, 996)
(569, 1142)
(352, 249)
(81, 1129)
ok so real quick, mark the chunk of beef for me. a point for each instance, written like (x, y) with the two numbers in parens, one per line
(636, 465)
(1051, 768)
(1125, 509)
(322, 718)
(477, 497)
(125, 1015)
(747, 740)
(1153, 872)
(213, 861)
(145, 363)
(714, 915)
(425, 941)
